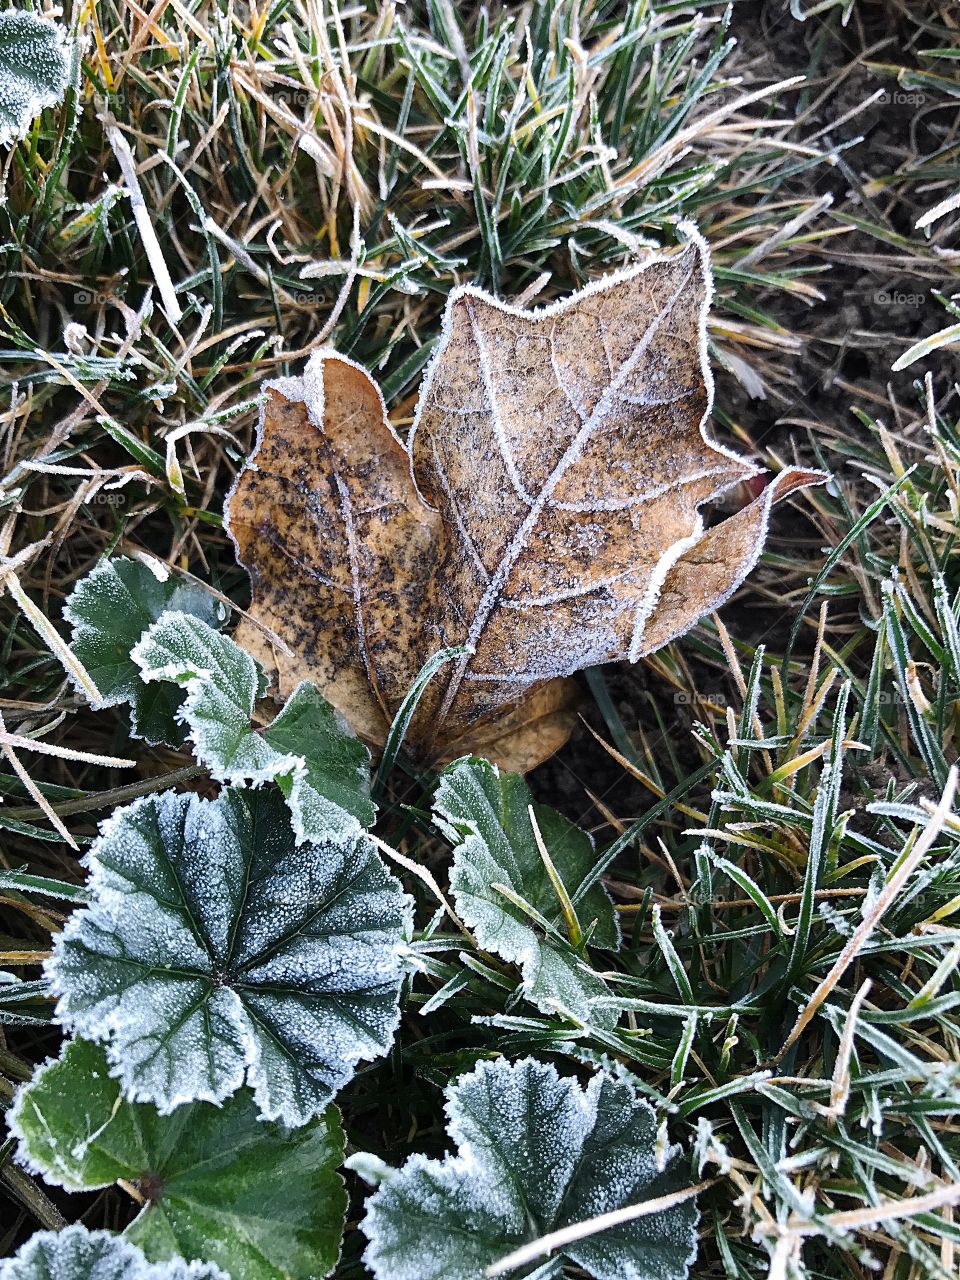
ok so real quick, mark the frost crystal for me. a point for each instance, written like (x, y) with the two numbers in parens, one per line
(78, 1254)
(486, 816)
(216, 951)
(33, 71)
(322, 768)
(535, 1153)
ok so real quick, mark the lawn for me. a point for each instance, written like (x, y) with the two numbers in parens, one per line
(418, 859)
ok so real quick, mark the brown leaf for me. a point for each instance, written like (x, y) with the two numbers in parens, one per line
(545, 515)
(521, 736)
(339, 547)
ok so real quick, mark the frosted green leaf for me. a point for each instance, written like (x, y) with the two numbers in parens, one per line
(78, 1254)
(485, 814)
(109, 610)
(535, 1153)
(260, 1200)
(321, 767)
(217, 951)
(33, 71)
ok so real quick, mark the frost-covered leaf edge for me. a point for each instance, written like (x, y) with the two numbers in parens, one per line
(281, 767)
(58, 42)
(113, 902)
(250, 1072)
(528, 957)
(462, 1161)
(82, 627)
(121, 1251)
(52, 1177)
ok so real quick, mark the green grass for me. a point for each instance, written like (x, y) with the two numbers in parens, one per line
(763, 779)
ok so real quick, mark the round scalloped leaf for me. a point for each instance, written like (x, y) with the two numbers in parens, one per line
(260, 1200)
(217, 951)
(33, 71)
(109, 610)
(535, 1153)
(78, 1254)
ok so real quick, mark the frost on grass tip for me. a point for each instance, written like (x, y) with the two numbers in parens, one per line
(34, 70)
(322, 769)
(218, 951)
(259, 1200)
(535, 1153)
(506, 894)
(109, 611)
(78, 1254)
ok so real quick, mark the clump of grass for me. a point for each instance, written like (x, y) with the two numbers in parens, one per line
(326, 175)
(813, 886)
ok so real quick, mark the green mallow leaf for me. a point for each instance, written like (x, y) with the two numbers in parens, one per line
(498, 871)
(109, 610)
(216, 951)
(322, 769)
(34, 70)
(78, 1254)
(535, 1153)
(260, 1200)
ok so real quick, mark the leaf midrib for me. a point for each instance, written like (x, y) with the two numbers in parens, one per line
(490, 599)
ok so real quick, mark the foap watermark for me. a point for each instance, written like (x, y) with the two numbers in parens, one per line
(684, 698)
(296, 97)
(901, 98)
(89, 298)
(898, 298)
(105, 499)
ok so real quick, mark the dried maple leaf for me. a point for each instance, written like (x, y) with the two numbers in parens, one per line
(544, 513)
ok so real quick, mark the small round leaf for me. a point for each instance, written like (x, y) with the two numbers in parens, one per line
(535, 1153)
(217, 951)
(263, 1201)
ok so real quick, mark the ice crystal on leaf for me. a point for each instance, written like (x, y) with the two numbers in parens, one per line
(78, 1254)
(109, 610)
(33, 71)
(535, 1153)
(322, 769)
(544, 514)
(258, 1199)
(486, 815)
(217, 951)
